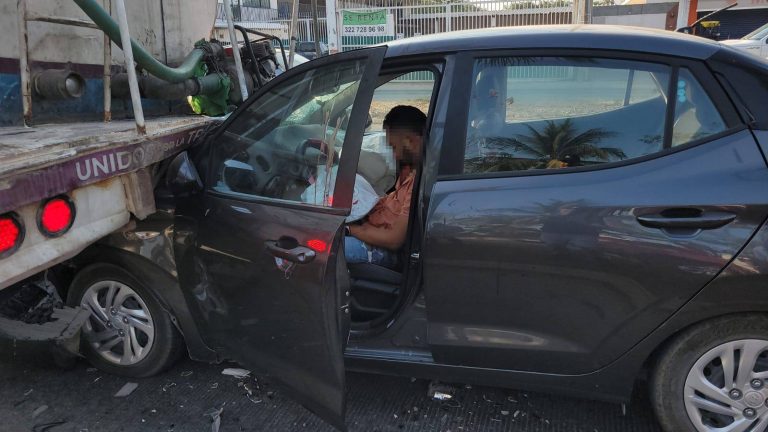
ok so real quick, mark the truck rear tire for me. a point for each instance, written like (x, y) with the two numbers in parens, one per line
(129, 333)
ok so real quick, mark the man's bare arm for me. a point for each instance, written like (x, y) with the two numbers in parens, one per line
(391, 238)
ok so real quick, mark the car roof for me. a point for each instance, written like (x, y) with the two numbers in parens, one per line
(609, 37)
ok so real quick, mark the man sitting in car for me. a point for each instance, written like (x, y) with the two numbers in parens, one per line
(383, 232)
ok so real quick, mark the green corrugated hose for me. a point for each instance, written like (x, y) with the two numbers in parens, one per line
(142, 57)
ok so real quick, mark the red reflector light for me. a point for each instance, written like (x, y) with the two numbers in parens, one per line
(56, 217)
(317, 245)
(11, 234)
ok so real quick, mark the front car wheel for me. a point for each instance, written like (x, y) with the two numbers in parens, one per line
(129, 333)
(121, 328)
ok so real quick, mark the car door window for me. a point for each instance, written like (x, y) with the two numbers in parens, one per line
(288, 143)
(695, 114)
(562, 112)
(412, 88)
(377, 160)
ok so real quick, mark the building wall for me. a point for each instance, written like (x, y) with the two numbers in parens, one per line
(654, 15)
(711, 5)
(167, 29)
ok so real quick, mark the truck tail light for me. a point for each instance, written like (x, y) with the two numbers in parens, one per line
(11, 234)
(56, 216)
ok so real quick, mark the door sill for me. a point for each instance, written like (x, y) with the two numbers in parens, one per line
(402, 355)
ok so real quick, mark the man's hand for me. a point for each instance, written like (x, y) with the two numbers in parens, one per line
(391, 238)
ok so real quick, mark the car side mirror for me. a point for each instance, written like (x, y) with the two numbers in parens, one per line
(686, 30)
(182, 178)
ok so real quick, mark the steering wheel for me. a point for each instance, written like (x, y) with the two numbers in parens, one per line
(265, 173)
(311, 155)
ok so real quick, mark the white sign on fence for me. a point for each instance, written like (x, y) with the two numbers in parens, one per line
(369, 23)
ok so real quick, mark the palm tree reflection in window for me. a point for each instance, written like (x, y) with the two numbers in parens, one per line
(557, 145)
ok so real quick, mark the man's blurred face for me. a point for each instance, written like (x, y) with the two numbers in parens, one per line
(406, 144)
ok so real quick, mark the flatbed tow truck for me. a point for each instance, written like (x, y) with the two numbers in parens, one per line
(65, 182)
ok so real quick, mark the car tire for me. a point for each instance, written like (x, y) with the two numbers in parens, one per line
(129, 333)
(703, 357)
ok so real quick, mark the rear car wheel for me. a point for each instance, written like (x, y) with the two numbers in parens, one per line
(128, 332)
(714, 377)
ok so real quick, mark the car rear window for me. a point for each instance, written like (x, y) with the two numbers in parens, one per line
(530, 113)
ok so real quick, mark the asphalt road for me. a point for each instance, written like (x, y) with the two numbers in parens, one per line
(33, 391)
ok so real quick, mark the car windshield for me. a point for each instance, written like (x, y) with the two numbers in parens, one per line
(757, 34)
(344, 97)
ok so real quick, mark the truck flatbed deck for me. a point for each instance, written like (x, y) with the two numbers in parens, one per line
(103, 171)
(52, 159)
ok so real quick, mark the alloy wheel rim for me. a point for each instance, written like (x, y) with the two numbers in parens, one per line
(121, 329)
(726, 390)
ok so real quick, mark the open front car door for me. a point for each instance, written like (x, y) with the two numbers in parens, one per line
(257, 250)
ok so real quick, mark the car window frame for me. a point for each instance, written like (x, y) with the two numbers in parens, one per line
(452, 156)
(368, 79)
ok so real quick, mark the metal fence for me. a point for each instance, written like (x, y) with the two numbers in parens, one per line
(408, 18)
(305, 29)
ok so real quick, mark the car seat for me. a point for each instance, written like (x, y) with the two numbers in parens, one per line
(376, 290)
(373, 167)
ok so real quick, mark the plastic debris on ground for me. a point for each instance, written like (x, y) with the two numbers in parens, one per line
(126, 390)
(45, 427)
(439, 391)
(251, 393)
(236, 372)
(215, 415)
(39, 410)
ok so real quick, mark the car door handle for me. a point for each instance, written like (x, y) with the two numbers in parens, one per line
(298, 254)
(687, 219)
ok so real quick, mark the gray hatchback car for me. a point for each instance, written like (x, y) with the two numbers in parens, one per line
(592, 204)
